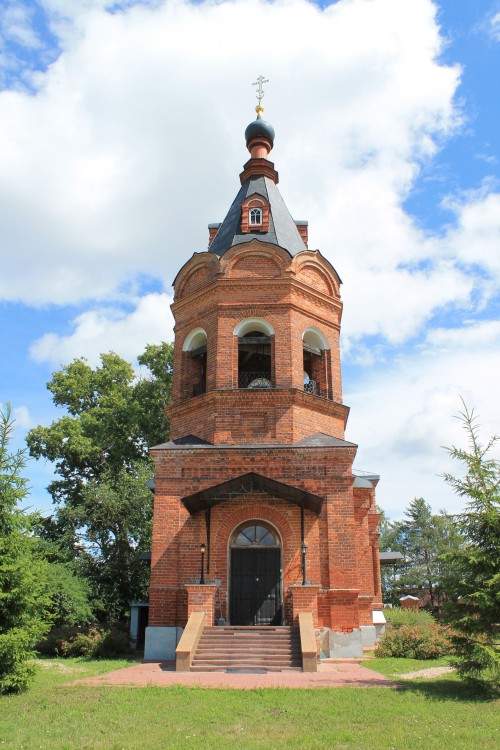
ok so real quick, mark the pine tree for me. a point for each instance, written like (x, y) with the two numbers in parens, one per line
(24, 596)
(474, 569)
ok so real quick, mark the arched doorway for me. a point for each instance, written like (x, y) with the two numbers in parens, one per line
(255, 583)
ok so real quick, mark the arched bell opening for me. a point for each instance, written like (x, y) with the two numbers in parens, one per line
(316, 363)
(255, 367)
(195, 362)
(255, 588)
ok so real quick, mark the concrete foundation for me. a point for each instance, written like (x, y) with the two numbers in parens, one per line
(368, 635)
(161, 642)
(345, 645)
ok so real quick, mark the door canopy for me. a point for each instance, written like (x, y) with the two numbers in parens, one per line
(247, 484)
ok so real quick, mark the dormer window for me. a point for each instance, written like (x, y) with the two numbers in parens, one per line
(255, 216)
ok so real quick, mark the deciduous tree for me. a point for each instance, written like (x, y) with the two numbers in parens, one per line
(100, 449)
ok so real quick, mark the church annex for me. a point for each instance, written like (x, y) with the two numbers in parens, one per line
(259, 521)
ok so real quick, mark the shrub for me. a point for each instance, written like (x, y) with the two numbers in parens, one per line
(51, 644)
(16, 667)
(424, 641)
(115, 643)
(399, 616)
(96, 643)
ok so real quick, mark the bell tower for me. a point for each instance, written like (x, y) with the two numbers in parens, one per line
(257, 436)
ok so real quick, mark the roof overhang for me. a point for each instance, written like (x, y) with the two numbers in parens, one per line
(246, 484)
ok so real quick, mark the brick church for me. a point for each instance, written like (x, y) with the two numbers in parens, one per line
(260, 523)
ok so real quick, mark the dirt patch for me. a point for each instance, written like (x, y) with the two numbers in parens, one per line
(430, 672)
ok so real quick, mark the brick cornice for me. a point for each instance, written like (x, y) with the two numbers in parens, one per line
(273, 395)
(217, 290)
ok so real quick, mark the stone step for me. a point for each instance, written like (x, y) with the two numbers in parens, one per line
(250, 643)
(248, 639)
(221, 656)
(246, 648)
(251, 628)
(248, 669)
(219, 648)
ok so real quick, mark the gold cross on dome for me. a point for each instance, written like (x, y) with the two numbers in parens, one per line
(260, 91)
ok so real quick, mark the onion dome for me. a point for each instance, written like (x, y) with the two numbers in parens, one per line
(259, 128)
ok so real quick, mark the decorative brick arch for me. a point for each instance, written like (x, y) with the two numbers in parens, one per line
(314, 270)
(197, 273)
(257, 507)
(256, 258)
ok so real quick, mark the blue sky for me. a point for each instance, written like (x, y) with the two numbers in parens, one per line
(121, 138)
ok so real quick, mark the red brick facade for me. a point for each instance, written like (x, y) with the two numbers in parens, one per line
(292, 302)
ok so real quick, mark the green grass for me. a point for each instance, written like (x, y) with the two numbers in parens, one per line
(391, 667)
(55, 715)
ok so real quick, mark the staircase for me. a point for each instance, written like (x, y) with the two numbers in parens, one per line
(267, 648)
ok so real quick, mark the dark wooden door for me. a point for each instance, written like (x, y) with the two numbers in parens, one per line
(255, 587)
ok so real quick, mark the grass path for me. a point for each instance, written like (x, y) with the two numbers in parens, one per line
(426, 715)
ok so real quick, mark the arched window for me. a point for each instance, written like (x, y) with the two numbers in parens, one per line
(196, 376)
(314, 346)
(255, 536)
(255, 216)
(254, 353)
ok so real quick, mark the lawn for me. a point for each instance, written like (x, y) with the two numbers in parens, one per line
(424, 715)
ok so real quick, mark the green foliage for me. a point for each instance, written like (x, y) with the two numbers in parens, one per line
(100, 449)
(424, 539)
(118, 510)
(51, 643)
(473, 571)
(422, 641)
(96, 643)
(24, 601)
(69, 595)
(399, 616)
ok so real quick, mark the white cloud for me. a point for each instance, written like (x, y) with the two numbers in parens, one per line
(495, 26)
(135, 138)
(22, 418)
(105, 329)
(402, 414)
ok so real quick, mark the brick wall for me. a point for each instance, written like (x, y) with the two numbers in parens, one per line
(253, 430)
(331, 535)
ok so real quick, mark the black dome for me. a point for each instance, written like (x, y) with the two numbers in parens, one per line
(259, 128)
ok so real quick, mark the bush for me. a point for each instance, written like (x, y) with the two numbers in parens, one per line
(424, 641)
(51, 644)
(97, 643)
(16, 667)
(399, 616)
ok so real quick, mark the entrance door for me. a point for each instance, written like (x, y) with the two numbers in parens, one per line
(255, 586)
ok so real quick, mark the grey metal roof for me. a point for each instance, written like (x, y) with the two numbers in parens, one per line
(183, 442)
(321, 440)
(251, 482)
(282, 228)
(387, 558)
